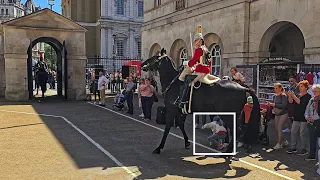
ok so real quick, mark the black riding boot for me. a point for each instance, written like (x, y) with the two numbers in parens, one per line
(182, 100)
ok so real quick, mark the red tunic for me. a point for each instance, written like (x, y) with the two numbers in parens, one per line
(196, 59)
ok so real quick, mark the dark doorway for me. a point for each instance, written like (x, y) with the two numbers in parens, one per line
(61, 67)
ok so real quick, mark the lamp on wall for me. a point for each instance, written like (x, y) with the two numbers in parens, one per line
(51, 3)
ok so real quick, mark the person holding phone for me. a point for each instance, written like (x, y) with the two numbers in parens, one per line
(280, 108)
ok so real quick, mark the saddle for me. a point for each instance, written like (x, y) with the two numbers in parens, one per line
(208, 78)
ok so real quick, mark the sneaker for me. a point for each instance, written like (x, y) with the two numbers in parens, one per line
(310, 158)
(277, 146)
(286, 130)
(292, 151)
(302, 152)
(240, 144)
(318, 171)
(141, 115)
(285, 143)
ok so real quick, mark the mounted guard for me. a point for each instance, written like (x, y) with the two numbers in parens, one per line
(199, 66)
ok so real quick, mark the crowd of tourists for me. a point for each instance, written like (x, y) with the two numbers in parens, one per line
(146, 89)
(298, 106)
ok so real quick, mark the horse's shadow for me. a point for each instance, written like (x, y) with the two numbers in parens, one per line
(203, 167)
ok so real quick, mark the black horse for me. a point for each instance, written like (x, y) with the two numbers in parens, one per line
(174, 114)
(224, 96)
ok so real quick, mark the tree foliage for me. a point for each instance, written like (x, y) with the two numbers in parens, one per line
(50, 56)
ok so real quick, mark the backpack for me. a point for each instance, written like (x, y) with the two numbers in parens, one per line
(161, 115)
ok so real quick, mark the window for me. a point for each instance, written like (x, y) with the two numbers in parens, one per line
(140, 8)
(183, 55)
(139, 48)
(120, 47)
(216, 59)
(157, 3)
(120, 7)
(2, 11)
(7, 12)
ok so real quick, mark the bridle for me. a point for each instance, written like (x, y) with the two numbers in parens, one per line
(159, 60)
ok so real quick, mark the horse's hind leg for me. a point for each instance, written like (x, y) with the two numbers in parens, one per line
(181, 124)
(169, 123)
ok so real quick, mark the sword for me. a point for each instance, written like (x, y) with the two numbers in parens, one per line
(191, 45)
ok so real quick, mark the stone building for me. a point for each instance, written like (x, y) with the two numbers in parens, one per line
(237, 32)
(11, 9)
(67, 39)
(110, 23)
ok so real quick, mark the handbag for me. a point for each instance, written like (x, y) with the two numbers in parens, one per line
(277, 111)
(155, 98)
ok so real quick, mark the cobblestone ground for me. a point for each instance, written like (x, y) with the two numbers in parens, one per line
(77, 140)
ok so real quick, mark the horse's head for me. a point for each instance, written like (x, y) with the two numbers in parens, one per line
(153, 63)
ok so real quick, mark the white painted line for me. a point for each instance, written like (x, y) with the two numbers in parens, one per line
(175, 135)
(233, 114)
(85, 135)
(240, 160)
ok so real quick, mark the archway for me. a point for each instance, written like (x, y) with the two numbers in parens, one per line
(154, 49)
(61, 64)
(278, 41)
(214, 44)
(179, 52)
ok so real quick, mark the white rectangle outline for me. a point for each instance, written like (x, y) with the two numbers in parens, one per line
(234, 133)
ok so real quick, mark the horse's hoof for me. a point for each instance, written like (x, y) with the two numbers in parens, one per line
(156, 151)
(187, 144)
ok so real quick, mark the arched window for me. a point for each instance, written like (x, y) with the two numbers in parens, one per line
(183, 55)
(216, 59)
(7, 12)
(2, 11)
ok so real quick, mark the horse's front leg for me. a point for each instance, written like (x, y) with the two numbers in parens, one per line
(169, 122)
(181, 124)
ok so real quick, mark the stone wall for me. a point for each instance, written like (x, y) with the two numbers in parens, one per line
(225, 19)
(244, 27)
(16, 60)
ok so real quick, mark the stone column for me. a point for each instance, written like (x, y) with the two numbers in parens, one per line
(312, 55)
(110, 42)
(103, 8)
(76, 76)
(132, 43)
(16, 77)
(103, 42)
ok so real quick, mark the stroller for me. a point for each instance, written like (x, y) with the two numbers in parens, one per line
(266, 116)
(120, 102)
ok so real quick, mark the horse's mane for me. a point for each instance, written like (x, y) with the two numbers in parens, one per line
(173, 64)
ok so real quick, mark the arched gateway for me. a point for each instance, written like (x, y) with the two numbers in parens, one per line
(18, 36)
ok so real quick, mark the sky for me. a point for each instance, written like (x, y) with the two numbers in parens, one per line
(44, 4)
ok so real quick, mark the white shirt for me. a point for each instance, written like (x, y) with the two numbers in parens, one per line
(102, 82)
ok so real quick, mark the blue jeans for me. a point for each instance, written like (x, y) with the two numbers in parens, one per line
(129, 98)
(216, 138)
(313, 140)
(147, 103)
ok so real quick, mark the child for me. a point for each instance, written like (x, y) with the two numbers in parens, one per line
(245, 117)
(219, 132)
(118, 97)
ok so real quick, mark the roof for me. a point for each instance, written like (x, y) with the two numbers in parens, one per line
(45, 15)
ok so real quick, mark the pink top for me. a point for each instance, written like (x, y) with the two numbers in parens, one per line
(147, 91)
